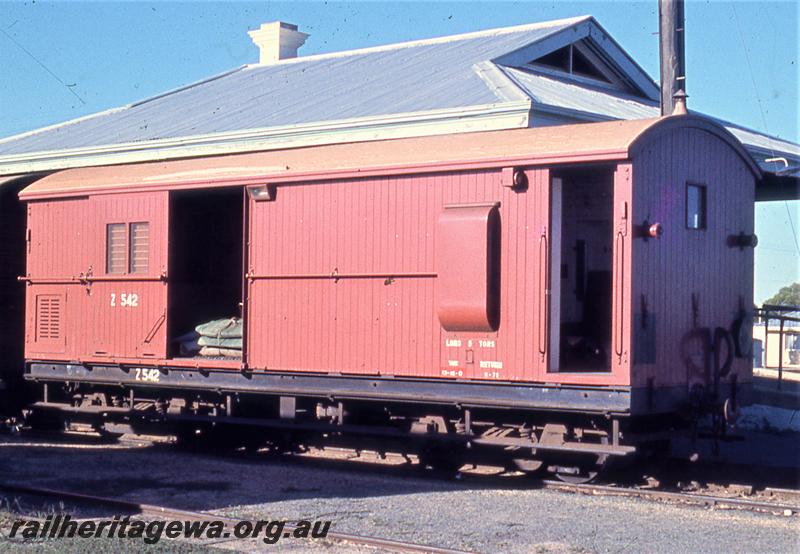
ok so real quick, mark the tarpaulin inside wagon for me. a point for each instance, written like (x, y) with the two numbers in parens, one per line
(230, 328)
(216, 338)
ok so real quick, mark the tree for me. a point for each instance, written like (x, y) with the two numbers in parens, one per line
(787, 296)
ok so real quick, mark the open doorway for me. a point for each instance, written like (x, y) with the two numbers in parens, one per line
(581, 278)
(205, 273)
(13, 252)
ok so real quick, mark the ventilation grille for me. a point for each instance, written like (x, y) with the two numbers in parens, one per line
(48, 317)
(115, 248)
(140, 247)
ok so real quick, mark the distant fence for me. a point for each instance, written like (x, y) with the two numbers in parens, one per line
(786, 324)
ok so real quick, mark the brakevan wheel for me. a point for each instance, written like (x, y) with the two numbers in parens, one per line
(188, 437)
(440, 459)
(657, 450)
(45, 421)
(529, 464)
(207, 438)
(107, 436)
(583, 471)
(573, 468)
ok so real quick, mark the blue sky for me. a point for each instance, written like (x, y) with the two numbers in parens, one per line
(742, 61)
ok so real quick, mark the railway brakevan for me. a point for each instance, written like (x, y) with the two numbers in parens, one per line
(559, 296)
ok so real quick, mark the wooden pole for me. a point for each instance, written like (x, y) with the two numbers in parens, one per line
(673, 62)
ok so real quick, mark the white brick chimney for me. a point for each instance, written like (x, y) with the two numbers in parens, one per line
(277, 41)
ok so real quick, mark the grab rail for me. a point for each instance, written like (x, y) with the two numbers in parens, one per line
(619, 300)
(542, 308)
(82, 280)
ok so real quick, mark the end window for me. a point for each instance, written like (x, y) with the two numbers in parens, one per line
(695, 206)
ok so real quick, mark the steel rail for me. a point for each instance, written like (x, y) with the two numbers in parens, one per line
(686, 497)
(153, 510)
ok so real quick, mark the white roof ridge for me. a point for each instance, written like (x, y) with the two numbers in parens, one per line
(424, 42)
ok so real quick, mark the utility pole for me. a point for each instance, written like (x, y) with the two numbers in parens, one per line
(673, 62)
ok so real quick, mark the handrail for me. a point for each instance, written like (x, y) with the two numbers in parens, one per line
(619, 295)
(84, 279)
(335, 275)
(542, 308)
(778, 308)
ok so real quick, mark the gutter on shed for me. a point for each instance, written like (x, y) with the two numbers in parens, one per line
(582, 143)
(486, 117)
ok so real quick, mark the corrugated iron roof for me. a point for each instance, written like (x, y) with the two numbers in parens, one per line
(413, 77)
(464, 72)
(593, 101)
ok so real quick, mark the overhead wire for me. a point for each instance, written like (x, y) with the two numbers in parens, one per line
(763, 115)
(34, 58)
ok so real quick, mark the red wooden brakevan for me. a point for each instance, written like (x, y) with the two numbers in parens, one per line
(599, 270)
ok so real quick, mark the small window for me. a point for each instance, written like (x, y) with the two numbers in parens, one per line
(115, 248)
(695, 206)
(139, 250)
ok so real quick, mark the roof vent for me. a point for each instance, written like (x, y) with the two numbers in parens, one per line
(277, 41)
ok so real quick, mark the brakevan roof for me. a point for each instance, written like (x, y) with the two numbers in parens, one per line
(584, 101)
(585, 142)
(472, 82)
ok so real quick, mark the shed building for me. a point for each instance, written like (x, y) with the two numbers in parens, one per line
(548, 73)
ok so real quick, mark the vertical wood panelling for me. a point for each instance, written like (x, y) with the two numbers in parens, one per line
(358, 323)
(68, 240)
(345, 302)
(684, 261)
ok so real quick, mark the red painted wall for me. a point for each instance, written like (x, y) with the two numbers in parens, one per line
(343, 279)
(75, 319)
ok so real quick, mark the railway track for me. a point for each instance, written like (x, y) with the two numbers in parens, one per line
(161, 512)
(678, 497)
(789, 506)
